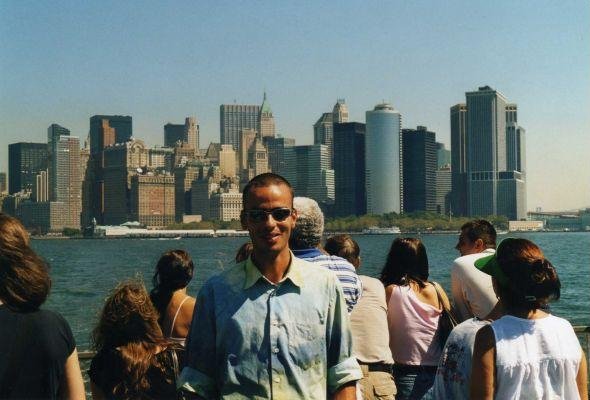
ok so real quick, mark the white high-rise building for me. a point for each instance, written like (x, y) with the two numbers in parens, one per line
(383, 174)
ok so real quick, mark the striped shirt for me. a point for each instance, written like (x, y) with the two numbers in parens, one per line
(349, 281)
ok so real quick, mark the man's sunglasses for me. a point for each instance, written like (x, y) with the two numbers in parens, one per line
(278, 214)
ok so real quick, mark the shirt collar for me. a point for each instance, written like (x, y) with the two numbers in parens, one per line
(307, 253)
(294, 273)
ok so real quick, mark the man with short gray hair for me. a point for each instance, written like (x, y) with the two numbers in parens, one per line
(305, 243)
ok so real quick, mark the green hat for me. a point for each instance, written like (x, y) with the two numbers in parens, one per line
(489, 265)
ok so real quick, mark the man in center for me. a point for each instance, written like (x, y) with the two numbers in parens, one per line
(274, 326)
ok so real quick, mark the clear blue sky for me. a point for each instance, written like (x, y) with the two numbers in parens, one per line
(161, 61)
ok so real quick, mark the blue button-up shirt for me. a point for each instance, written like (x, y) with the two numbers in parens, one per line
(253, 339)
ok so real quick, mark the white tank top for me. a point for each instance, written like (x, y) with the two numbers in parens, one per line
(536, 358)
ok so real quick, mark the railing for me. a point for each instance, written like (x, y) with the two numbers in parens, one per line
(583, 333)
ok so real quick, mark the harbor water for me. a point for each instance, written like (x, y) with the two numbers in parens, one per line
(83, 271)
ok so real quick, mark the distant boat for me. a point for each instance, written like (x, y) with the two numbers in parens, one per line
(375, 230)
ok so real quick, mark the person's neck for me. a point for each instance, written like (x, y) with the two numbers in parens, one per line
(527, 314)
(272, 266)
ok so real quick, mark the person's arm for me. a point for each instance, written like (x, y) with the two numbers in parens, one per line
(581, 381)
(72, 383)
(388, 292)
(345, 392)
(198, 375)
(483, 368)
(443, 296)
(343, 368)
(97, 393)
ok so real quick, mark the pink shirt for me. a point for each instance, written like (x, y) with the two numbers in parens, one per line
(412, 328)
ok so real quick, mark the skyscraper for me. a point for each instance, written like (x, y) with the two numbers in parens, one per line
(105, 130)
(67, 186)
(25, 162)
(53, 134)
(276, 152)
(515, 148)
(419, 169)
(340, 112)
(459, 160)
(307, 169)
(266, 120)
(349, 169)
(227, 161)
(384, 175)
(491, 187)
(323, 132)
(109, 129)
(486, 148)
(3, 183)
(186, 133)
(233, 118)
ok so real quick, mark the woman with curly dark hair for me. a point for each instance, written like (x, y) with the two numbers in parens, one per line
(528, 353)
(174, 272)
(38, 357)
(414, 307)
(133, 360)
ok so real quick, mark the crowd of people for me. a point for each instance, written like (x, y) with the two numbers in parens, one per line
(295, 319)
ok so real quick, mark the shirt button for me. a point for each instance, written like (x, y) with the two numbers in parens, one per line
(275, 350)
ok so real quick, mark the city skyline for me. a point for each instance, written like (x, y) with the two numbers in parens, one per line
(158, 71)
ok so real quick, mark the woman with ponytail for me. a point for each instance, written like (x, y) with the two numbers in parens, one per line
(528, 353)
(173, 273)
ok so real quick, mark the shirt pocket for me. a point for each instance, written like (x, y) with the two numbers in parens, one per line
(307, 344)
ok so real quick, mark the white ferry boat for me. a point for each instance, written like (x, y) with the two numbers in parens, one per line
(375, 230)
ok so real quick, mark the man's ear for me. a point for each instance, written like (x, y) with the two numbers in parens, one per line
(479, 245)
(294, 216)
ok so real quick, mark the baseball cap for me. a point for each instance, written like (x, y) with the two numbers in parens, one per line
(489, 265)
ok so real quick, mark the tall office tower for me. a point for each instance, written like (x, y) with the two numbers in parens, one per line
(86, 185)
(109, 129)
(515, 148)
(40, 191)
(266, 120)
(323, 132)
(53, 134)
(191, 133)
(443, 156)
(121, 162)
(3, 183)
(183, 153)
(458, 205)
(349, 169)
(511, 114)
(67, 186)
(105, 130)
(276, 152)
(443, 189)
(307, 169)
(486, 149)
(257, 159)
(173, 133)
(183, 179)
(340, 112)
(201, 191)
(25, 162)
(235, 117)
(186, 133)
(247, 137)
(419, 169)
(227, 161)
(383, 171)
(152, 199)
